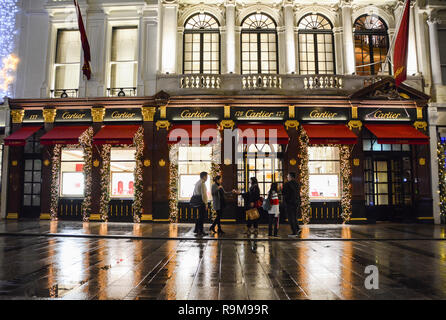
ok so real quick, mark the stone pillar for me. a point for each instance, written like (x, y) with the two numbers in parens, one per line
(339, 51)
(412, 59)
(290, 45)
(433, 23)
(422, 40)
(141, 56)
(230, 36)
(148, 116)
(347, 27)
(150, 52)
(433, 117)
(169, 26)
(96, 30)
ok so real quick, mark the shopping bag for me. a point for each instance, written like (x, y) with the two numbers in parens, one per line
(252, 214)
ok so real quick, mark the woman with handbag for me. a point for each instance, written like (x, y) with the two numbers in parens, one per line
(218, 203)
(252, 205)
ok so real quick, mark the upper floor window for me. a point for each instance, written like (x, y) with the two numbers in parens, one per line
(316, 45)
(67, 63)
(442, 45)
(201, 44)
(259, 44)
(371, 44)
(124, 61)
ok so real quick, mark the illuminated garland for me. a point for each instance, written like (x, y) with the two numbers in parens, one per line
(215, 167)
(441, 157)
(173, 182)
(138, 142)
(55, 171)
(105, 181)
(346, 174)
(85, 140)
(304, 176)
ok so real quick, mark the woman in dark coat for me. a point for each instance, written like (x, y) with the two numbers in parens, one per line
(218, 203)
(251, 201)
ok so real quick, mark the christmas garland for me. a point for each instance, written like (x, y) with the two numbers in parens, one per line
(441, 157)
(173, 182)
(215, 166)
(85, 140)
(138, 142)
(346, 174)
(105, 181)
(55, 171)
(304, 176)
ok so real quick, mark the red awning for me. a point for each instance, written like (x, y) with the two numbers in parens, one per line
(200, 134)
(63, 135)
(18, 138)
(263, 133)
(116, 134)
(329, 134)
(397, 134)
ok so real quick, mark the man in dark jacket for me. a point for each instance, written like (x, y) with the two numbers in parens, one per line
(291, 200)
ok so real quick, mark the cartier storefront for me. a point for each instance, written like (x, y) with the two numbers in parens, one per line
(359, 158)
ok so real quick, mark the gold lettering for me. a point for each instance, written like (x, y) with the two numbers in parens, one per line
(71, 116)
(322, 114)
(259, 114)
(122, 115)
(386, 115)
(186, 114)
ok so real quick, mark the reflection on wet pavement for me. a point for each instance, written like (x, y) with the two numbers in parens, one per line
(410, 259)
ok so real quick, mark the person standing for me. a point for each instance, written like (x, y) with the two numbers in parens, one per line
(200, 200)
(218, 202)
(291, 201)
(251, 199)
(273, 212)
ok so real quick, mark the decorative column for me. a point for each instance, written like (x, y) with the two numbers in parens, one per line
(97, 114)
(347, 27)
(433, 23)
(141, 56)
(47, 158)
(230, 36)
(15, 176)
(161, 165)
(169, 26)
(150, 52)
(148, 114)
(290, 45)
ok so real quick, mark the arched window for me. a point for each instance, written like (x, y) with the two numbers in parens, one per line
(316, 45)
(259, 44)
(201, 45)
(371, 44)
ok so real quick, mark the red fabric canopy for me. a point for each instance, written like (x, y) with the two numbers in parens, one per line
(198, 134)
(329, 134)
(18, 138)
(63, 135)
(397, 134)
(116, 134)
(263, 133)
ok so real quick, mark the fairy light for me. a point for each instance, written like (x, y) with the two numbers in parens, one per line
(8, 61)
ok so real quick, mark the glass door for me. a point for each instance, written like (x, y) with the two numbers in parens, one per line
(32, 177)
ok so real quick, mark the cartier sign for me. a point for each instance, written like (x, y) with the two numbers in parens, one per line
(259, 113)
(194, 113)
(387, 114)
(73, 115)
(322, 114)
(123, 114)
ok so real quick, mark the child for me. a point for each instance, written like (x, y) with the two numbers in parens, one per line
(273, 212)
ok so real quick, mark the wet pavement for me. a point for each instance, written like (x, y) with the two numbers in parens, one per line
(75, 260)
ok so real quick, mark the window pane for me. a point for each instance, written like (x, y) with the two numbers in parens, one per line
(123, 75)
(323, 153)
(324, 186)
(124, 44)
(122, 184)
(68, 46)
(72, 155)
(122, 154)
(67, 77)
(72, 184)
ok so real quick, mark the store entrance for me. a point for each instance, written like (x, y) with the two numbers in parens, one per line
(263, 161)
(389, 186)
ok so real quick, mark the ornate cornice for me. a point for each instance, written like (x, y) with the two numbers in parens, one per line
(98, 114)
(49, 115)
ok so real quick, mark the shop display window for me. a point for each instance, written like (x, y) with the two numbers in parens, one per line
(324, 172)
(191, 162)
(122, 172)
(71, 173)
